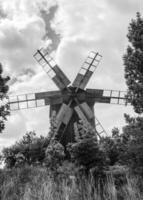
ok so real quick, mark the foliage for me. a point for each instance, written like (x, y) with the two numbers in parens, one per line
(29, 150)
(133, 61)
(53, 127)
(133, 132)
(86, 152)
(32, 149)
(14, 181)
(54, 156)
(115, 147)
(33, 183)
(4, 107)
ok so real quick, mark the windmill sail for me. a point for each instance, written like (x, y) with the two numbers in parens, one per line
(64, 115)
(33, 100)
(52, 69)
(87, 110)
(107, 96)
(81, 115)
(84, 111)
(87, 70)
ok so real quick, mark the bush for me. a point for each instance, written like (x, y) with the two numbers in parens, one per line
(86, 152)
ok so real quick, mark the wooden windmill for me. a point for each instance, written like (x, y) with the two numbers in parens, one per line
(71, 102)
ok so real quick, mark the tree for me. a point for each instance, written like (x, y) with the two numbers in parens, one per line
(115, 147)
(133, 62)
(29, 150)
(4, 106)
(85, 151)
(133, 132)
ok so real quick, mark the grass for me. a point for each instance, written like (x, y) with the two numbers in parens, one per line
(34, 183)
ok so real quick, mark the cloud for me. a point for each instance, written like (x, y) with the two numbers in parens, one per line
(17, 44)
(127, 7)
(21, 33)
(23, 121)
(50, 33)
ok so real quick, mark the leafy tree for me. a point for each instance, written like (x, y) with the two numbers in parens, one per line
(133, 61)
(4, 107)
(115, 147)
(29, 150)
(55, 156)
(133, 132)
(85, 151)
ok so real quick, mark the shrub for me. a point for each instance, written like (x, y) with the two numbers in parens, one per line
(86, 152)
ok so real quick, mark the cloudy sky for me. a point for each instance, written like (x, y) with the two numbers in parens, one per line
(70, 29)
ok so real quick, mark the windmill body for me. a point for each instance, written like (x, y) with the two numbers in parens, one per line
(71, 102)
(69, 96)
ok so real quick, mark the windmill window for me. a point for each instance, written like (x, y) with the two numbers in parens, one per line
(95, 63)
(98, 57)
(123, 94)
(44, 65)
(92, 54)
(82, 71)
(122, 101)
(12, 98)
(30, 96)
(114, 101)
(37, 56)
(22, 97)
(52, 63)
(42, 62)
(48, 58)
(115, 93)
(92, 68)
(46, 68)
(31, 104)
(14, 106)
(22, 105)
(45, 52)
(85, 65)
(51, 73)
(89, 60)
(107, 93)
(40, 102)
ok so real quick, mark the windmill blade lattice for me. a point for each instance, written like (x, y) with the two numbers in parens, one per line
(99, 128)
(87, 70)
(107, 96)
(52, 69)
(32, 100)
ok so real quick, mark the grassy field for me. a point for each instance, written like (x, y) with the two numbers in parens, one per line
(34, 183)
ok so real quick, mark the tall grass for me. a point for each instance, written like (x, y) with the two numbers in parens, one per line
(35, 184)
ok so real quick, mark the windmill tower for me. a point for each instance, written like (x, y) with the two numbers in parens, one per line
(71, 102)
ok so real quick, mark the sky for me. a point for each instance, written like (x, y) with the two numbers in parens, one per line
(69, 30)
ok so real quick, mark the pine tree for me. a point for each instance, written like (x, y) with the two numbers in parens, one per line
(4, 106)
(133, 62)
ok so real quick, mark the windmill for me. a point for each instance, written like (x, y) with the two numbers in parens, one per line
(71, 102)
